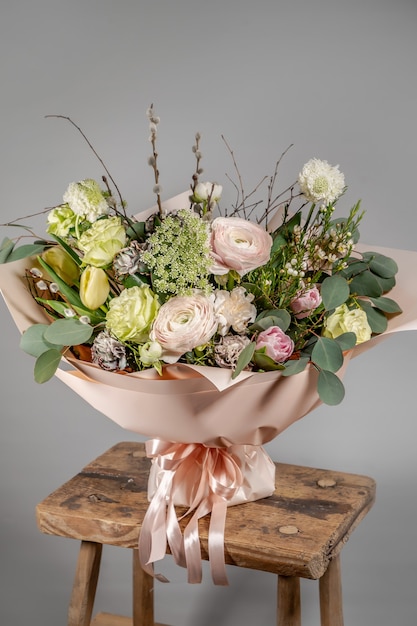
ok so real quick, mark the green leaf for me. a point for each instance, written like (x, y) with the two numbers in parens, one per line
(136, 230)
(327, 354)
(68, 332)
(386, 304)
(95, 317)
(74, 256)
(330, 388)
(334, 291)
(244, 359)
(346, 341)
(33, 341)
(280, 318)
(386, 283)
(136, 280)
(380, 264)
(376, 319)
(22, 252)
(264, 362)
(355, 267)
(46, 365)
(70, 294)
(295, 366)
(6, 248)
(366, 284)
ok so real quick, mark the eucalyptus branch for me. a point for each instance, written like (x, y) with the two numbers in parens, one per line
(64, 117)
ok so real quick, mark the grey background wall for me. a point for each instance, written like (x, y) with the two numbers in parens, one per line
(337, 79)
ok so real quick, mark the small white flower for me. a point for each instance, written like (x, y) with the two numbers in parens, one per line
(321, 182)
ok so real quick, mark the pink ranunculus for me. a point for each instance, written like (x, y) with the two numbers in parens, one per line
(279, 346)
(306, 302)
(183, 323)
(238, 244)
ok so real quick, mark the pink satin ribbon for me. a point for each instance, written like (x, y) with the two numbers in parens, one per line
(206, 479)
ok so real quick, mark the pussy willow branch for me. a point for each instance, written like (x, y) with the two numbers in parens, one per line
(65, 117)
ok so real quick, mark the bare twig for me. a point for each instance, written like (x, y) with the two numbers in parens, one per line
(65, 117)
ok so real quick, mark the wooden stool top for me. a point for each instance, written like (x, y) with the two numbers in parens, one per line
(294, 532)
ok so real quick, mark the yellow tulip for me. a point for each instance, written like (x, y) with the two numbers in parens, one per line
(94, 287)
(62, 264)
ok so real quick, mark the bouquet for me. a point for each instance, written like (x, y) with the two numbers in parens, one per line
(169, 320)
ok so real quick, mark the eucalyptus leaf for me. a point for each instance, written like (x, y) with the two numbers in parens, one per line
(380, 264)
(281, 318)
(68, 332)
(386, 304)
(366, 284)
(22, 252)
(330, 388)
(376, 319)
(136, 230)
(334, 291)
(386, 283)
(354, 268)
(33, 341)
(6, 248)
(295, 366)
(327, 354)
(346, 341)
(46, 365)
(244, 359)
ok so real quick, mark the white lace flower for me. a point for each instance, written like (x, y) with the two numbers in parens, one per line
(321, 182)
(234, 309)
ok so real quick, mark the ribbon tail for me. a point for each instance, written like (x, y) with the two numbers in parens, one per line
(216, 541)
(152, 538)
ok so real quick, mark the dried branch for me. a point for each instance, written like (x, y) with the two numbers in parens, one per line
(64, 117)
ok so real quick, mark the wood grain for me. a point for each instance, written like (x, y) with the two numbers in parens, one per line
(107, 500)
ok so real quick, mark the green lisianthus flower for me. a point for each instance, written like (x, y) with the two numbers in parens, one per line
(102, 241)
(131, 314)
(61, 220)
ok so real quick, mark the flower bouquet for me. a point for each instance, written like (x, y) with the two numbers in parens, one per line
(209, 331)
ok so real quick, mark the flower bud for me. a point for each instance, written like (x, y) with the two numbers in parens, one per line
(94, 287)
(61, 262)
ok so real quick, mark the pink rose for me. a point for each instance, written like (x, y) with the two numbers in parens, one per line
(306, 302)
(183, 323)
(279, 346)
(238, 244)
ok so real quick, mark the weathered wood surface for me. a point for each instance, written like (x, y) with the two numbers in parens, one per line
(295, 532)
(108, 619)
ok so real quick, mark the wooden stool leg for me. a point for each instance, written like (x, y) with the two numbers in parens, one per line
(289, 605)
(143, 598)
(331, 604)
(85, 584)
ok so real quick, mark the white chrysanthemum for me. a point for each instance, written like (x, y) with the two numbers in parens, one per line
(234, 309)
(321, 182)
(85, 199)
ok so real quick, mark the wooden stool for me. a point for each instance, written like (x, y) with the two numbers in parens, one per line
(296, 533)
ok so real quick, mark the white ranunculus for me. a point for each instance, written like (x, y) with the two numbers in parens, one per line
(183, 323)
(321, 182)
(238, 244)
(234, 309)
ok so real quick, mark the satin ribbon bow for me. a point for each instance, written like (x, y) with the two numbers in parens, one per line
(205, 479)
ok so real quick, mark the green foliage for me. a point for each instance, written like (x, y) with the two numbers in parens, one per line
(334, 291)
